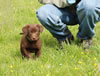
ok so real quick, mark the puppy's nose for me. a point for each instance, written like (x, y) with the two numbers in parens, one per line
(33, 38)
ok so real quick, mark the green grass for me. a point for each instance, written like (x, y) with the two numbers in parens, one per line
(71, 61)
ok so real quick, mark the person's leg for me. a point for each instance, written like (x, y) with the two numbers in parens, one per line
(54, 19)
(88, 14)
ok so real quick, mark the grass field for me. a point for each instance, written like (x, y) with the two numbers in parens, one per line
(71, 61)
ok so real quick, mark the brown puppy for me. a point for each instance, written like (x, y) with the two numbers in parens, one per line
(30, 42)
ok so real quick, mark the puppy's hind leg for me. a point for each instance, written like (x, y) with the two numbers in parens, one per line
(27, 54)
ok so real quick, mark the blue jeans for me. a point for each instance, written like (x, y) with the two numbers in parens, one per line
(56, 19)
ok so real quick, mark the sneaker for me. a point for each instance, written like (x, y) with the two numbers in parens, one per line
(86, 43)
(68, 40)
(61, 43)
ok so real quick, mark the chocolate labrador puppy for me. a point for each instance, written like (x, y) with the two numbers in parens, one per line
(30, 42)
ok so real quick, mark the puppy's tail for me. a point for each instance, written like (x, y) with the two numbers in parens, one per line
(21, 33)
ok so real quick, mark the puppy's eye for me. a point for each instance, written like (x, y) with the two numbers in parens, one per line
(31, 31)
(36, 31)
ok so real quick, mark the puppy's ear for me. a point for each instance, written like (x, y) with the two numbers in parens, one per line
(40, 27)
(25, 29)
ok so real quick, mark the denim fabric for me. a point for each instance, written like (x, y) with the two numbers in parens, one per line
(88, 13)
(56, 19)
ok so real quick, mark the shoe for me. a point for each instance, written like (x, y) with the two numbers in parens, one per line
(68, 40)
(61, 42)
(86, 43)
(71, 38)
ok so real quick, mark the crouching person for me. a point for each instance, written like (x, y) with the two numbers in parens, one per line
(56, 15)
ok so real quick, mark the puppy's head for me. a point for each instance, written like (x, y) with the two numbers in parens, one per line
(32, 31)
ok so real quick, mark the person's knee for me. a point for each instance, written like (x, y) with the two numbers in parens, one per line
(41, 14)
(87, 7)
